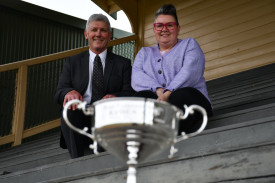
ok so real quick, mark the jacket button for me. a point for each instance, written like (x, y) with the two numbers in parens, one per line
(159, 60)
(163, 85)
(159, 71)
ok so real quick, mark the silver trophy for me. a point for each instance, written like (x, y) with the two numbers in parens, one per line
(134, 129)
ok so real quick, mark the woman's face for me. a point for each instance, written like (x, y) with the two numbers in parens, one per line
(168, 36)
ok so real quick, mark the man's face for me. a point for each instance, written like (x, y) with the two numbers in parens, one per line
(98, 36)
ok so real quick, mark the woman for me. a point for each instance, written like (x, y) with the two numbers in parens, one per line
(172, 70)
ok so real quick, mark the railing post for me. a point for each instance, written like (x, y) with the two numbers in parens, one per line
(20, 104)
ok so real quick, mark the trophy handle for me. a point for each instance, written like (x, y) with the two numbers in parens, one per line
(184, 136)
(82, 106)
(190, 110)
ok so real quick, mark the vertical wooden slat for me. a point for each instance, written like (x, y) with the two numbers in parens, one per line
(20, 103)
(140, 29)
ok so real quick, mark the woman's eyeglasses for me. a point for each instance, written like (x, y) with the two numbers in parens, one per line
(169, 26)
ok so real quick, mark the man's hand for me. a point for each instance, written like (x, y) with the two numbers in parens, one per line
(71, 96)
(108, 96)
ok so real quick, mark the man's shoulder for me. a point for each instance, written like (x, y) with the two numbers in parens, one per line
(116, 57)
(80, 55)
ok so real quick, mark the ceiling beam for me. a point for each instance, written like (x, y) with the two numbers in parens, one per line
(130, 8)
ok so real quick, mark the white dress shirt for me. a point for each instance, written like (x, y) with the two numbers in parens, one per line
(88, 94)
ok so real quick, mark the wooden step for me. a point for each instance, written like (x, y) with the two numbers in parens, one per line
(238, 151)
(243, 90)
(237, 146)
(240, 116)
(36, 153)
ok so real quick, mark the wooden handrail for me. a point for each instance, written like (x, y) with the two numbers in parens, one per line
(41, 128)
(60, 55)
(18, 132)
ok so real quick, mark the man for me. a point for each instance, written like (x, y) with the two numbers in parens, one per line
(79, 80)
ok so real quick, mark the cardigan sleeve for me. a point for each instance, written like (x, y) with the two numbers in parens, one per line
(192, 68)
(142, 77)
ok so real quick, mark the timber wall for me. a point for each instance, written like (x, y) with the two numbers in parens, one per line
(234, 35)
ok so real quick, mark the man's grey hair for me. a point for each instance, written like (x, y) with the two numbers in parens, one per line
(98, 17)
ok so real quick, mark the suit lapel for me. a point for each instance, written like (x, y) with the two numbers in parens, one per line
(108, 69)
(85, 68)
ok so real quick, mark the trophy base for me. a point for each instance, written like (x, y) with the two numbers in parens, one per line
(149, 140)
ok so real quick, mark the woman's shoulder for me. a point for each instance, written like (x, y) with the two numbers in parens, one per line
(187, 40)
(149, 48)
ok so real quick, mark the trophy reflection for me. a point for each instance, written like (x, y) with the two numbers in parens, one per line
(134, 129)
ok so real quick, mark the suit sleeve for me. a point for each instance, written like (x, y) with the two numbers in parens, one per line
(126, 89)
(65, 84)
(142, 74)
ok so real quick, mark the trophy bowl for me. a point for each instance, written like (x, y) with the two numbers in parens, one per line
(134, 129)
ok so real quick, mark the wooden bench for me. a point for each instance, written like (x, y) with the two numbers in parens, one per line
(243, 90)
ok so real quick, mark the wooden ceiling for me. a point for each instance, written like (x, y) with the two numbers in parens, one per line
(130, 8)
(107, 5)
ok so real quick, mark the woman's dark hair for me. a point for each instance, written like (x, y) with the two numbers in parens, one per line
(167, 9)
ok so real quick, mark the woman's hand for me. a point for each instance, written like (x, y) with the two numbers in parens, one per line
(159, 91)
(164, 96)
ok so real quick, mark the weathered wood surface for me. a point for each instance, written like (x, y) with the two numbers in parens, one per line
(233, 152)
(243, 126)
(33, 154)
(243, 90)
(240, 116)
(223, 167)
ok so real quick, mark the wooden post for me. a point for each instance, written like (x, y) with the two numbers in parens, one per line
(139, 31)
(20, 104)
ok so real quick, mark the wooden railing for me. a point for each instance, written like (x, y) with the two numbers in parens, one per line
(17, 132)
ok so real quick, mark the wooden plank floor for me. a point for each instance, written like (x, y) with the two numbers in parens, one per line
(237, 146)
(242, 151)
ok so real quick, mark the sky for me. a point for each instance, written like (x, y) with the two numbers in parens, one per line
(83, 9)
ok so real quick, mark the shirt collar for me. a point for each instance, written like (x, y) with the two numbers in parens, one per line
(102, 55)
